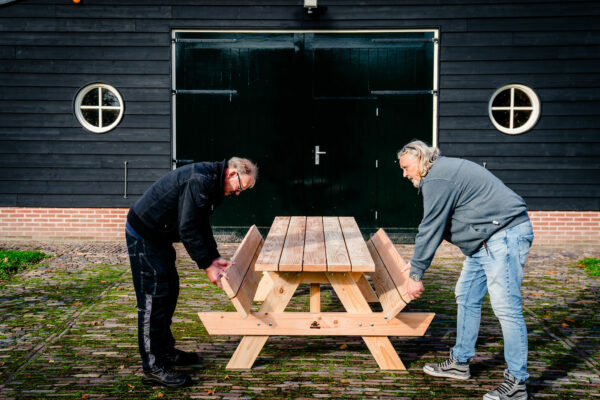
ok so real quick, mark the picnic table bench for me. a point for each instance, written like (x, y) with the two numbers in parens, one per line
(315, 251)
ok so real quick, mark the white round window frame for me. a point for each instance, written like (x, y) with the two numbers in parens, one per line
(92, 128)
(535, 109)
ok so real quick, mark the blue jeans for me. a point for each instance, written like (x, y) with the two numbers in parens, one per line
(500, 273)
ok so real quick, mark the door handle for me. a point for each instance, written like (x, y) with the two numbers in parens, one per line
(317, 154)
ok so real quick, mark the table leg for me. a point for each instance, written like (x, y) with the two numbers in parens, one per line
(315, 297)
(354, 302)
(284, 286)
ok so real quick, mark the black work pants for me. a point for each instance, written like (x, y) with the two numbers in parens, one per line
(156, 284)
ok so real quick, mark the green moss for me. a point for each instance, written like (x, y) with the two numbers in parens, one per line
(590, 265)
(13, 261)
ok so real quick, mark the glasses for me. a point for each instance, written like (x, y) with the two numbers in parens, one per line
(240, 182)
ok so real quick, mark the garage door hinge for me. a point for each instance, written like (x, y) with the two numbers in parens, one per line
(375, 214)
(377, 111)
(376, 163)
(434, 92)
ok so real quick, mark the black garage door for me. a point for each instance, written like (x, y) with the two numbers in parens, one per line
(322, 114)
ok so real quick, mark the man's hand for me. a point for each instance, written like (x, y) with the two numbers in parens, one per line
(414, 290)
(216, 270)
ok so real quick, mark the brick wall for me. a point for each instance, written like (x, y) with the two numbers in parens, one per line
(558, 227)
(63, 223)
(550, 227)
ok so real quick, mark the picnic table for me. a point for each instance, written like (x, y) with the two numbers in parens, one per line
(316, 251)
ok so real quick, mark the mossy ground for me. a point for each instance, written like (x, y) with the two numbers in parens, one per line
(68, 330)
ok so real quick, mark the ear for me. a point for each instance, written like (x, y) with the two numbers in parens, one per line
(229, 173)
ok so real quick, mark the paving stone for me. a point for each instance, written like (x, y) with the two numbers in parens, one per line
(68, 329)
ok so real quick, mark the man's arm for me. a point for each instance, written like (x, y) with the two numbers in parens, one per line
(439, 200)
(194, 227)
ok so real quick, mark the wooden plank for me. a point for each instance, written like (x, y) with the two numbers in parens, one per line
(245, 295)
(264, 287)
(268, 260)
(392, 260)
(315, 258)
(235, 273)
(360, 258)
(316, 324)
(389, 296)
(282, 291)
(354, 302)
(365, 287)
(315, 297)
(293, 248)
(335, 246)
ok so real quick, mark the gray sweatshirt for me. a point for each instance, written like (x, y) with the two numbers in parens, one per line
(465, 204)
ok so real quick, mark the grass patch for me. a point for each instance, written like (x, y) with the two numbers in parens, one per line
(591, 266)
(13, 261)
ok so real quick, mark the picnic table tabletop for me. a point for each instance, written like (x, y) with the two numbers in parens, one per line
(315, 244)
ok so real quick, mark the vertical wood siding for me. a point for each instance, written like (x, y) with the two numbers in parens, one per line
(50, 49)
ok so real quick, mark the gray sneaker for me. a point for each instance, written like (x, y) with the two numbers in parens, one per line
(449, 369)
(510, 389)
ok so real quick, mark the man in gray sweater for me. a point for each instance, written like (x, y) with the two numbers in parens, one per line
(469, 207)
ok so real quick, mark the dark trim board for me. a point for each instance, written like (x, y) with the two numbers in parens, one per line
(49, 49)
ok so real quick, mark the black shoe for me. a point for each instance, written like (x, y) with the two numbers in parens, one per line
(181, 358)
(166, 377)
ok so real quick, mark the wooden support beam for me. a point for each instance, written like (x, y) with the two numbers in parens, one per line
(316, 324)
(277, 300)
(315, 298)
(353, 301)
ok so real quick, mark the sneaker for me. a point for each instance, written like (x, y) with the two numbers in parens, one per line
(181, 358)
(510, 389)
(449, 369)
(166, 377)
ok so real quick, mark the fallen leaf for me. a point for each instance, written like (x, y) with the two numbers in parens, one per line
(226, 377)
(103, 281)
(131, 386)
(344, 346)
(85, 396)
(569, 320)
(96, 323)
(546, 316)
(210, 392)
(121, 366)
(50, 361)
(160, 394)
(5, 259)
(78, 303)
(564, 325)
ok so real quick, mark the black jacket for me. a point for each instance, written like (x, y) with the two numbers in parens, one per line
(177, 207)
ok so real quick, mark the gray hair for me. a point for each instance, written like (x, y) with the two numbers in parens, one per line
(424, 154)
(244, 166)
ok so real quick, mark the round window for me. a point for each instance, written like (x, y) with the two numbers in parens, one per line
(99, 107)
(514, 109)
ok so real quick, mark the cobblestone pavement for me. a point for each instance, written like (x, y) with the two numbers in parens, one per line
(68, 330)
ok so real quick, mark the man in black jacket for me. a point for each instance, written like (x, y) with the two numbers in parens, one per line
(176, 208)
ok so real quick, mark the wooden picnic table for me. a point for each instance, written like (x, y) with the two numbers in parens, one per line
(315, 251)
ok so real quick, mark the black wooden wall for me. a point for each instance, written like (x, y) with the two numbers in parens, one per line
(51, 48)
